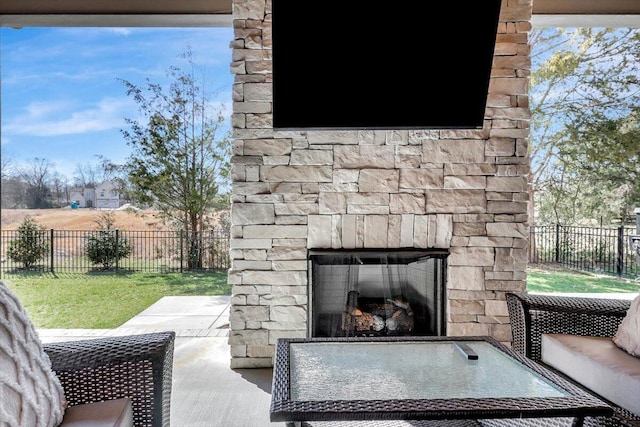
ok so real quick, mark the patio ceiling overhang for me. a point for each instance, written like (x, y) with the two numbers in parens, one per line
(108, 13)
(586, 13)
(566, 13)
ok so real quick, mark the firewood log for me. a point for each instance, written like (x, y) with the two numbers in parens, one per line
(368, 322)
(400, 321)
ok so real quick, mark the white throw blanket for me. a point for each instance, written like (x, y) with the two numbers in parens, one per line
(30, 393)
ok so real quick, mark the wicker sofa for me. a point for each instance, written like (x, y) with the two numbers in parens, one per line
(133, 367)
(533, 316)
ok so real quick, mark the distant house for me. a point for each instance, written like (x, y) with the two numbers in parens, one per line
(77, 196)
(107, 196)
(104, 196)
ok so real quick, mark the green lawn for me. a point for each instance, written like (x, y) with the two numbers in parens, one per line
(96, 301)
(561, 281)
(108, 300)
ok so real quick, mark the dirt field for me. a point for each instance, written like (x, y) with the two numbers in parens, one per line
(80, 219)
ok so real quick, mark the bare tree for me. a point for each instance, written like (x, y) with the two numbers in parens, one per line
(60, 189)
(86, 176)
(37, 176)
(6, 166)
(11, 188)
(90, 175)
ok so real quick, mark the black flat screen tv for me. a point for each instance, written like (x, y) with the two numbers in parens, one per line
(401, 64)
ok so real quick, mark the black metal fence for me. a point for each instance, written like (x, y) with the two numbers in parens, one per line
(598, 250)
(113, 250)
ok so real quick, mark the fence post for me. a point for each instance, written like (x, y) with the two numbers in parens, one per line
(181, 250)
(557, 243)
(117, 249)
(51, 250)
(620, 261)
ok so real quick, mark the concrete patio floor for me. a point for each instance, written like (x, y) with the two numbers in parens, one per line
(206, 391)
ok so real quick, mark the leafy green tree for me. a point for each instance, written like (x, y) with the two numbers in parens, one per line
(606, 154)
(585, 92)
(106, 246)
(179, 161)
(32, 243)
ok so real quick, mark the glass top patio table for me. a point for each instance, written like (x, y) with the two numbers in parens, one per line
(417, 378)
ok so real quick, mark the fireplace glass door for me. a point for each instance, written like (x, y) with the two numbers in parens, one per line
(369, 293)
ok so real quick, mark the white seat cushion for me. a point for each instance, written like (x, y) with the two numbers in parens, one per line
(111, 413)
(598, 364)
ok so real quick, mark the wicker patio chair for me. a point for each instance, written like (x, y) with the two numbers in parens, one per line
(134, 366)
(532, 315)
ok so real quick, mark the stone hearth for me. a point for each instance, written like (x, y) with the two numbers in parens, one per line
(460, 191)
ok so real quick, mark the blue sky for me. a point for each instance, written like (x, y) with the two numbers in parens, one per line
(61, 97)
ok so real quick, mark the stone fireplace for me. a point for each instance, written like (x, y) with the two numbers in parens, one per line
(296, 195)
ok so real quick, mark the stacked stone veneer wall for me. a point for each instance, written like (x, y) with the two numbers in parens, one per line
(460, 190)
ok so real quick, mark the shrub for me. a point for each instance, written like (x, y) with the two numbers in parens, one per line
(31, 245)
(106, 247)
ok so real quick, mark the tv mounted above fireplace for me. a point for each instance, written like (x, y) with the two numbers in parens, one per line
(403, 64)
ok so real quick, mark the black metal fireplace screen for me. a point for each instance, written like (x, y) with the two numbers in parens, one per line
(372, 293)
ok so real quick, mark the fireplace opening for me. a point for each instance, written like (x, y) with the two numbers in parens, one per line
(372, 293)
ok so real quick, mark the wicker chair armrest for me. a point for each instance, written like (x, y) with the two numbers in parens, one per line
(532, 315)
(135, 366)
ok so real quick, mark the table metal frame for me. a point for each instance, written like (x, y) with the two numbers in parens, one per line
(578, 405)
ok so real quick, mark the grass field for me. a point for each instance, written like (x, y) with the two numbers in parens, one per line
(96, 301)
(108, 300)
(541, 279)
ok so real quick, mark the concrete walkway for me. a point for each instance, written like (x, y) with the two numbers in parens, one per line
(196, 316)
(206, 391)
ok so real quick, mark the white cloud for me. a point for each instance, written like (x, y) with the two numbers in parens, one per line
(120, 31)
(57, 118)
(95, 31)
